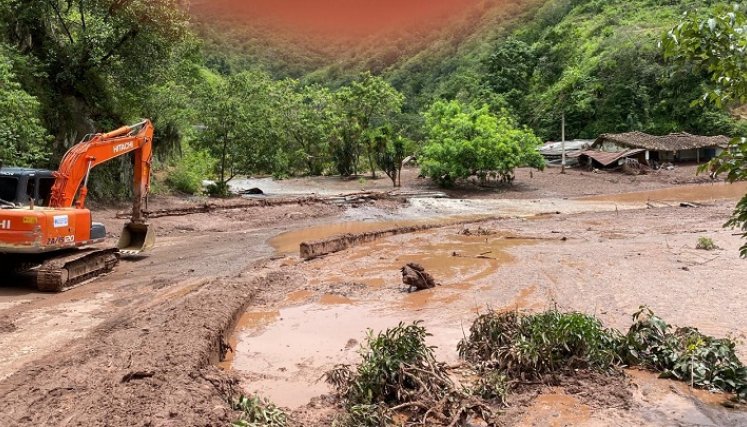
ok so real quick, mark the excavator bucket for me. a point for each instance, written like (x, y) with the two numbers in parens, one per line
(136, 239)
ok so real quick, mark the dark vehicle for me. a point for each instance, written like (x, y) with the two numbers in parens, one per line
(19, 186)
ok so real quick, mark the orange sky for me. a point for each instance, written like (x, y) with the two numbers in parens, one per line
(334, 17)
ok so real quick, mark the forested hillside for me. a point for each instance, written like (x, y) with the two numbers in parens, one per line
(230, 98)
(599, 61)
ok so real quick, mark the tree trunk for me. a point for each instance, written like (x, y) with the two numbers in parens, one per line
(372, 164)
(223, 161)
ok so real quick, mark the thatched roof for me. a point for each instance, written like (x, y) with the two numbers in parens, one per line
(606, 159)
(672, 142)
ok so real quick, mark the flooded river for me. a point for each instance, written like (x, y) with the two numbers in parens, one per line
(282, 352)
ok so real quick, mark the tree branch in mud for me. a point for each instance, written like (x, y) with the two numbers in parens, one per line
(400, 376)
(415, 277)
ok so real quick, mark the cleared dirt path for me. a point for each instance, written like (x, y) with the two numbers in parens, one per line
(190, 250)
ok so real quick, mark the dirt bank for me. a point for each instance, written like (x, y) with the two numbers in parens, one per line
(153, 366)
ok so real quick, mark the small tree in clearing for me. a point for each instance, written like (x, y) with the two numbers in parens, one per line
(462, 141)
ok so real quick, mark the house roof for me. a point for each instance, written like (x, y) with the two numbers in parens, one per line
(673, 142)
(606, 158)
(554, 148)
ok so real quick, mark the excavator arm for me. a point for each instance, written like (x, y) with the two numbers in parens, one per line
(72, 176)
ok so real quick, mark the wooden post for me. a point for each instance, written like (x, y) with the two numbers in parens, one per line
(562, 142)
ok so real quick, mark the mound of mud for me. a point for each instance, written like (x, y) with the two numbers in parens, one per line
(153, 366)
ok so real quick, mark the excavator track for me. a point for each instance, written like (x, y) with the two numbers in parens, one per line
(68, 270)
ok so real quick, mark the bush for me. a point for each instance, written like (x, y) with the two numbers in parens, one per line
(684, 354)
(463, 141)
(258, 412)
(399, 374)
(523, 346)
(23, 139)
(706, 244)
(190, 170)
(218, 189)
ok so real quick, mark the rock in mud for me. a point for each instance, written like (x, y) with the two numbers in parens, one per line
(416, 278)
(251, 191)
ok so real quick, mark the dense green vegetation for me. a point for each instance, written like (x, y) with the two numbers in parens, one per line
(399, 374)
(226, 105)
(258, 412)
(400, 378)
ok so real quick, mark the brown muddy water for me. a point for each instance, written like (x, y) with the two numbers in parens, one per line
(682, 193)
(285, 360)
(655, 402)
(281, 352)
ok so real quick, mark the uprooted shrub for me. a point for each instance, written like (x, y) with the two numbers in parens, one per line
(706, 244)
(399, 375)
(258, 412)
(684, 354)
(531, 345)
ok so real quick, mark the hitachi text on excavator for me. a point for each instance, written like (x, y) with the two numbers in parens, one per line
(46, 232)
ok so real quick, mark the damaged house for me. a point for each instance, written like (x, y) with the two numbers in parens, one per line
(612, 150)
(552, 151)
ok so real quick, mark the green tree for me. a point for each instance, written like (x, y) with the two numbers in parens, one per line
(309, 118)
(716, 42)
(240, 124)
(390, 148)
(22, 137)
(463, 141)
(365, 104)
(98, 57)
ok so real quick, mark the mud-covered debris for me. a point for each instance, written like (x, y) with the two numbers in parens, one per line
(7, 326)
(251, 191)
(352, 343)
(416, 278)
(137, 375)
(478, 232)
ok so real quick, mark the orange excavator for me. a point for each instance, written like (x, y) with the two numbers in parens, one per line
(47, 233)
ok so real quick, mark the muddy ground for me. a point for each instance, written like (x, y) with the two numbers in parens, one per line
(149, 343)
